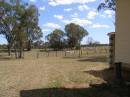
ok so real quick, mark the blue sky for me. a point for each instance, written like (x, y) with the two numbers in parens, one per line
(57, 13)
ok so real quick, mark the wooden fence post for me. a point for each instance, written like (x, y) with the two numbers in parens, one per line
(65, 53)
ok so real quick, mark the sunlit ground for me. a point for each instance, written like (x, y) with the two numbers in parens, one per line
(68, 76)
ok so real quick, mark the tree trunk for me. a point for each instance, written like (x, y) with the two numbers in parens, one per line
(29, 45)
(21, 53)
(9, 50)
(16, 53)
(20, 50)
(79, 53)
(79, 50)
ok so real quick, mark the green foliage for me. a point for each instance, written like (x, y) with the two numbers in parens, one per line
(107, 4)
(75, 34)
(19, 23)
(56, 39)
(72, 38)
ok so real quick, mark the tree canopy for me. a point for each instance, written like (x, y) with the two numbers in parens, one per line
(19, 24)
(56, 39)
(75, 34)
(108, 4)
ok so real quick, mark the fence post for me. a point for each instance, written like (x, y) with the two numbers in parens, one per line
(48, 53)
(37, 55)
(65, 53)
(56, 53)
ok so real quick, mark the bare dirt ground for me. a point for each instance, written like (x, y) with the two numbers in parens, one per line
(50, 77)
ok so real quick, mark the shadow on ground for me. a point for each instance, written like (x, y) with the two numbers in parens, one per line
(95, 59)
(5, 57)
(72, 57)
(92, 90)
(107, 75)
(88, 58)
(102, 90)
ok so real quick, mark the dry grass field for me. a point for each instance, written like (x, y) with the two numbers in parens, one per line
(56, 76)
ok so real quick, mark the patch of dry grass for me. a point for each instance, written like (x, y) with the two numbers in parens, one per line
(44, 72)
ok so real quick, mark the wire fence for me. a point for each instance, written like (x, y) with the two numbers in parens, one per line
(84, 51)
(39, 53)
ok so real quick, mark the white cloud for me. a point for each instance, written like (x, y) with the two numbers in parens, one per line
(92, 14)
(82, 22)
(52, 25)
(102, 15)
(100, 26)
(45, 30)
(74, 15)
(33, 0)
(42, 8)
(83, 7)
(67, 2)
(68, 9)
(109, 13)
(60, 17)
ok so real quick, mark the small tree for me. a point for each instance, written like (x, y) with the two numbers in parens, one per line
(75, 34)
(56, 39)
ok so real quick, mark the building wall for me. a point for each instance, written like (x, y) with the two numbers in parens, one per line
(122, 41)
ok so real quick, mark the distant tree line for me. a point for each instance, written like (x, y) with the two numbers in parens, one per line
(71, 38)
(74, 33)
(19, 25)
